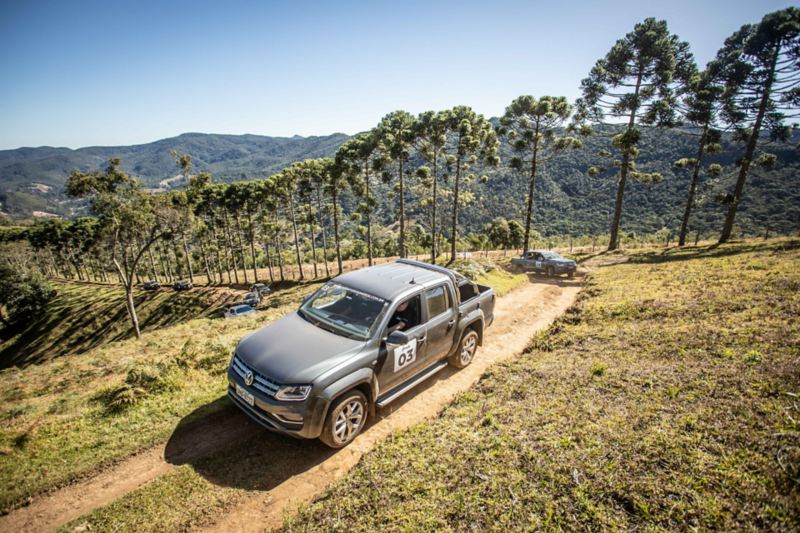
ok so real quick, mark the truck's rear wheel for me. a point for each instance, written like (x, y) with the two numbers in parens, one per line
(346, 419)
(465, 351)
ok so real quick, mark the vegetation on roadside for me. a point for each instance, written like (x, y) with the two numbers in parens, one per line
(82, 316)
(69, 416)
(667, 397)
(209, 484)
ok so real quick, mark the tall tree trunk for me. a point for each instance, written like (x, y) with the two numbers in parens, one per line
(165, 266)
(296, 240)
(433, 214)
(178, 265)
(188, 257)
(335, 198)
(209, 278)
(402, 215)
(613, 242)
(251, 236)
(313, 237)
(269, 260)
(321, 215)
(229, 242)
(241, 243)
(153, 269)
(692, 188)
(727, 229)
(369, 212)
(531, 190)
(132, 310)
(454, 239)
(278, 246)
(217, 246)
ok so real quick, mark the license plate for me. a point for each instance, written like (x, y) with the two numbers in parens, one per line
(244, 395)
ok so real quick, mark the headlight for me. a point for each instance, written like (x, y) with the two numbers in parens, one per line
(293, 393)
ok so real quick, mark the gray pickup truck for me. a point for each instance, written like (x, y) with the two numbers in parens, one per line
(547, 262)
(357, 344)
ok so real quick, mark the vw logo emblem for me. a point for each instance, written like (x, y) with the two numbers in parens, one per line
(248, 378)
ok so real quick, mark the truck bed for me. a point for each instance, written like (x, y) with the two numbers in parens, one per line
(485, 300)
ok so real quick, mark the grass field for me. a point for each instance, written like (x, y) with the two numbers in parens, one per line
(83, 316)
(667, 398)
(69, 416)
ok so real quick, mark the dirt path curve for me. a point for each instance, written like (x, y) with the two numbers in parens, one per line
(519, 315)
(56, 508)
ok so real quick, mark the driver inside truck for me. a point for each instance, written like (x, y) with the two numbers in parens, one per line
(406, 316)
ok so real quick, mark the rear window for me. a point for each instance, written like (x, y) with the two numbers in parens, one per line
(437, 301)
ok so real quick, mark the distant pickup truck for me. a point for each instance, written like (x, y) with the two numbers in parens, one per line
(545, 261)
(359, 342)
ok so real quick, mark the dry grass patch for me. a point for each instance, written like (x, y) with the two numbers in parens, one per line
(666, 398)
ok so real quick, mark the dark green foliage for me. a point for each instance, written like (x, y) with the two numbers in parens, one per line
(637, 81)
(758, 66)
(23, 293)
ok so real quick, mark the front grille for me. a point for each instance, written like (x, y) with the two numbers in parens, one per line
(260, 382)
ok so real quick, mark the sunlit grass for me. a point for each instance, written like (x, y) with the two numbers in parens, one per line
(58, 418)
(665, 399)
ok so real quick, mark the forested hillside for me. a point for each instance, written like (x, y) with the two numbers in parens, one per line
(227, 157)
(569, 200)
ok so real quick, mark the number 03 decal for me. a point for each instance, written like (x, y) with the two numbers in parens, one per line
(405, 354)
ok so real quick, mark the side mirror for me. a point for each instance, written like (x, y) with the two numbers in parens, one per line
(307, 298)
(397, 338)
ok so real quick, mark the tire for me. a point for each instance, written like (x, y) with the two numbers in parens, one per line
(551, 273)
(349, 414)
(466, 350)
(571, 274)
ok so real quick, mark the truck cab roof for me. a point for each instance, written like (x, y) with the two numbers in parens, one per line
(393, 280)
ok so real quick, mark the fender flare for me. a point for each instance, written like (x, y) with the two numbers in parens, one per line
(350, 381)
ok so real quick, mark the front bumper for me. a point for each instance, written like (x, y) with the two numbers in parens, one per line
(565, 269)
(298, 419)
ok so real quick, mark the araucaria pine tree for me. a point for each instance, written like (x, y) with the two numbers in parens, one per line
(760, 66)
(473, 141)
(640, 81)
(396, 136)
(529, 126)
(702, 108)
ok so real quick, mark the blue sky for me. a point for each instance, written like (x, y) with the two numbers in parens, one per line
(82, 73)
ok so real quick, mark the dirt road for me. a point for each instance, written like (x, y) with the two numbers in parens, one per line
(295, 478)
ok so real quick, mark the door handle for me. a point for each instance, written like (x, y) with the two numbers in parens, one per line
(451, 324)
(422, 339)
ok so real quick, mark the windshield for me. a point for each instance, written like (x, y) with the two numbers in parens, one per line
(343, 311)
(551, 255)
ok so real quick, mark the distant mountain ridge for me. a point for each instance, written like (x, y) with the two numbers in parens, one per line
(227, 157)
(567, 200)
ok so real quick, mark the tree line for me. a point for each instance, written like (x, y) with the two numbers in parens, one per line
(647, 79)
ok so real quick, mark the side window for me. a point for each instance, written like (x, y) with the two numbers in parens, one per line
(438, 301)
(407, 315)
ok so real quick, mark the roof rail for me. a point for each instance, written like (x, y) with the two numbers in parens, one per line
(436, 268)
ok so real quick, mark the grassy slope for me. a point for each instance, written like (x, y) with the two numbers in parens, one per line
(58, 423)
(667, 398)
(192, 494)
(83, 316)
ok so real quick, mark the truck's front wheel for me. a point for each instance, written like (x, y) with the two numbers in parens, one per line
(465, 351)
(346, 419)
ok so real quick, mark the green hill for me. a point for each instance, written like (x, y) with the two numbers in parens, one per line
(567, 199)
